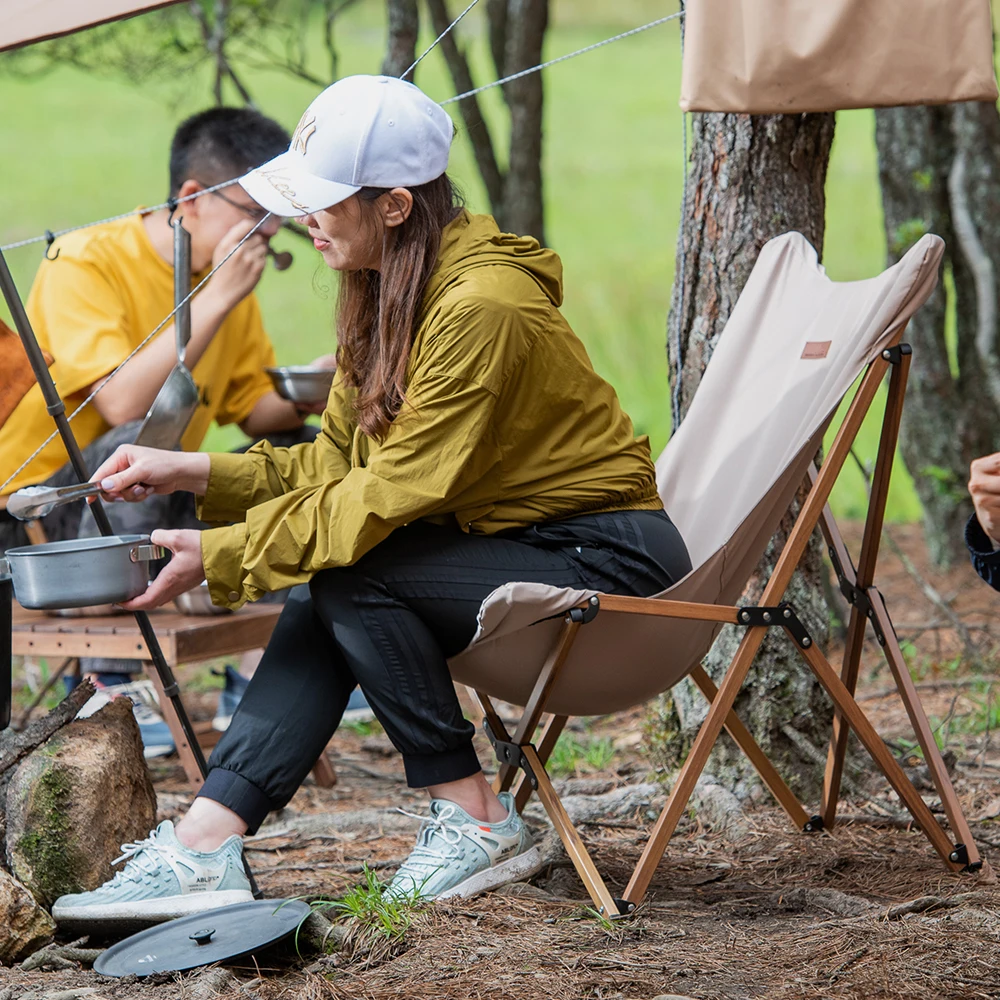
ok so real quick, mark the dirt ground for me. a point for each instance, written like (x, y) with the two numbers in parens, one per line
(762, 910)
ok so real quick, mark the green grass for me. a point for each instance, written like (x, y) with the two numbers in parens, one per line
(78, 148)
(571, 756)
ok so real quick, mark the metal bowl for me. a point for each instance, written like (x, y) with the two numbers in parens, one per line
(81, 572)
(198, 601)
(302, 383)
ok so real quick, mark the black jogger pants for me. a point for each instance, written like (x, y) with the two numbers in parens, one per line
(389, 622)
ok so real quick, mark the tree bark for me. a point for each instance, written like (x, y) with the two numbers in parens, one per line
(523, 202)
(751, 178)
(937, 168)
(516, 35)
(401, 47)
(475, 126)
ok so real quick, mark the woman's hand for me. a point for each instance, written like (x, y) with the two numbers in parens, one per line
(184, 571)
(133, 473)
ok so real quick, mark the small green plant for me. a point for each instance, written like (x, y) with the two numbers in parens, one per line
(377, 922)
(599, 754)
(367, 727)
(571, 755)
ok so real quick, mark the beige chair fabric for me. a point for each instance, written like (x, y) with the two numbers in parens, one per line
(790, 56)
(793, 346)
(25, 21)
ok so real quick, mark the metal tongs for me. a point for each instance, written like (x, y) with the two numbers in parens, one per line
(38, 501)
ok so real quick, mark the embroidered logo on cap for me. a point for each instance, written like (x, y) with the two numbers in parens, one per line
(304, 131)
(816, 349)
(278, 179)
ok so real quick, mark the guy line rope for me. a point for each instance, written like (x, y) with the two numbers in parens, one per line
(48, 237)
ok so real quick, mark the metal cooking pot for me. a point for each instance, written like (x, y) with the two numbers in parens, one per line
(81, 571)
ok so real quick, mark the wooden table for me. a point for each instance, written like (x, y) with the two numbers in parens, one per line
(183, 639)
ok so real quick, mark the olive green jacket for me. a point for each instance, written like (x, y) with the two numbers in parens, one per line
(505, 424)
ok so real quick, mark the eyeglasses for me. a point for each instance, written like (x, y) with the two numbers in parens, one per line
(256, 214)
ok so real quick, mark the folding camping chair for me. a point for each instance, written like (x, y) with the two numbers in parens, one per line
(793, 347)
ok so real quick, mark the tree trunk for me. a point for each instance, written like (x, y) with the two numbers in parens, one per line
(937, 168)
(752, 178)
(523, 202)
(475, 126)
(516, 35)
(401, 47)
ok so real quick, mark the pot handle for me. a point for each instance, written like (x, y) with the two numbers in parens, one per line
(146, 553)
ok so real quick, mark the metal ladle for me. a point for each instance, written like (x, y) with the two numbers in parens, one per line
(177, 399)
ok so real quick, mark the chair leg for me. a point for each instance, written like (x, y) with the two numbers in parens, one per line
(551, 729)
(680, 794)
(535, 706)
(749, 746)
(575, 848)
(837, 753)
(184, 751)
(323, 772)
(925, 735)
(858, 721)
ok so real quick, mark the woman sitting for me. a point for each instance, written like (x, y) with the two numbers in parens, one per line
(467, 443)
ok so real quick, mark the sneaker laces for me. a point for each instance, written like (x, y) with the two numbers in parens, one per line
(425, 853)
(142, 857)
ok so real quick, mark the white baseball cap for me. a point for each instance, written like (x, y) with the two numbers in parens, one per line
(363, 131)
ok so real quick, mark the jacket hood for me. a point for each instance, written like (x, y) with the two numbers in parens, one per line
(476, 241)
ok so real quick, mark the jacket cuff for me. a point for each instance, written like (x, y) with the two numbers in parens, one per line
(222, 551)
(980, 544)
(230, 489)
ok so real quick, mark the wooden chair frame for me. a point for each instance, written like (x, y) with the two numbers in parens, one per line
(517, 752)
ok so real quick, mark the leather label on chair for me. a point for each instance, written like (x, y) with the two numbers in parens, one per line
(816, 348)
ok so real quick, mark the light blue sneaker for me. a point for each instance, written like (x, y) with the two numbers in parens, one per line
(162, 879)
(457, 855)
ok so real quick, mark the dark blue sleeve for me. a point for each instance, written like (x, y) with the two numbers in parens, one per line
(985, 559)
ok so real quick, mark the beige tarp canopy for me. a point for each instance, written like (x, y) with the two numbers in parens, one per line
(790, 56)
(25, 21)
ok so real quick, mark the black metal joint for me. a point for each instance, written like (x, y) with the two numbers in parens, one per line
(625, 908)
(171, 690)
(510, 754)
(895, 354)
(56, 408)
(814, 824)
(780, 614)
(959, 855)
(585, 615)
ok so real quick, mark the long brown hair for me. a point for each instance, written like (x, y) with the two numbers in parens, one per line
(377, 311)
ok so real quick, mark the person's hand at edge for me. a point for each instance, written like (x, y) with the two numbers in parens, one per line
(984, 487)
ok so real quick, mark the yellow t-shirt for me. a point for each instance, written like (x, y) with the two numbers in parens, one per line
(90, 307)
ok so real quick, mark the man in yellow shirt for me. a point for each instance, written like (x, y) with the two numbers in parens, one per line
(109, 287)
